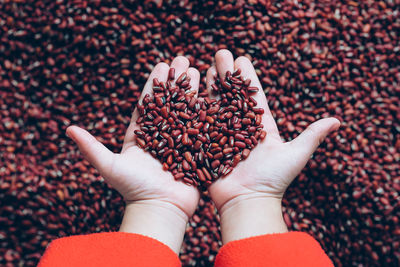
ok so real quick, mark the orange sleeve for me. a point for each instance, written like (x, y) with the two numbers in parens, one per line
(287, 249)
(108, 249)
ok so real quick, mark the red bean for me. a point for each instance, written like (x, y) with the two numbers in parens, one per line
(215, 164)
(188, 181)
(263, 135)
(210, 119)
(227, 150)
(181, 78)
(173, 167)
(215, 150)
(246, 121)
(223, 141)
(240, 144)
(212, 110)
(159, 101)
(185, 139)
(171, 143)
(139, 133)
(201, 175)
(188, 156)
(202, 115)
(206, 173)
(227, 170)
(253, 140)
(245, 153)
(218, 155)
(185, 84)
(164, 112)
(194, 165)
(141, 142)
(252, 89)
(171, 74)
(236, 160)
(214, 87)
(258, 119)
(165, 166)
(161, 144)
(185, 165)
(258, 110)
(193, 131)
(252, 100)
(179, 176)
(157, 120)
(197, 145)
(156, 83)
(184, 115)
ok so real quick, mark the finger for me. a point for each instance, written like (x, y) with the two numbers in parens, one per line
(194, 75)
(210, 80)
(160, 72)
(181, 65)
(94, 151)
(308, 141)
(224, 62)
(248, 72)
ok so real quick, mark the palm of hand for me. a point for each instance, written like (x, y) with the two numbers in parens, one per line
(140, 177)
(272, 164)
(135, 173)
(268, 171)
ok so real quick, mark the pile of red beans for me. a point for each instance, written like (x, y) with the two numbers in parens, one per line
(85, 63)
(199, 139)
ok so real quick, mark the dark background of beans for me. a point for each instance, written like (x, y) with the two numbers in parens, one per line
(85, 62)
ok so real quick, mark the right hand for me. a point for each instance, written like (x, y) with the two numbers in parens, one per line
(273, 164)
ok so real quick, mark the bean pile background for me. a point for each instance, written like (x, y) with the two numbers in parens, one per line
(85, 63)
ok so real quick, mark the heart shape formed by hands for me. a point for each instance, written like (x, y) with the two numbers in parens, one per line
(200, 139)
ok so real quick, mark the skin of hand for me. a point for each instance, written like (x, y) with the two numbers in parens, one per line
(249, 198)
(156, 205)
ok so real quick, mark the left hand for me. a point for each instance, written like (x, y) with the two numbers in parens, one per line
(157, 205)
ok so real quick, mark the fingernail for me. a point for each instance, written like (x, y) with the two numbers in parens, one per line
(335, 126)
(70, 136)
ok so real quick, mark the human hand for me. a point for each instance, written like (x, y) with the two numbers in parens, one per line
(156, 204)
(249, 198)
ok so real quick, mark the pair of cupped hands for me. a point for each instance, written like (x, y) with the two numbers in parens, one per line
(248, 200)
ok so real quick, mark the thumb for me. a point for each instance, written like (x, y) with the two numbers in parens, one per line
(94, 151)
(308, 141)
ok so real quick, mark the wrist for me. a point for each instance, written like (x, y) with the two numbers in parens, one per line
(247, 216)
(156, 219)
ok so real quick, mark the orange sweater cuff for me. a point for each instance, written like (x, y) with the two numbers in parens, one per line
(108, 249)
(286, 249)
